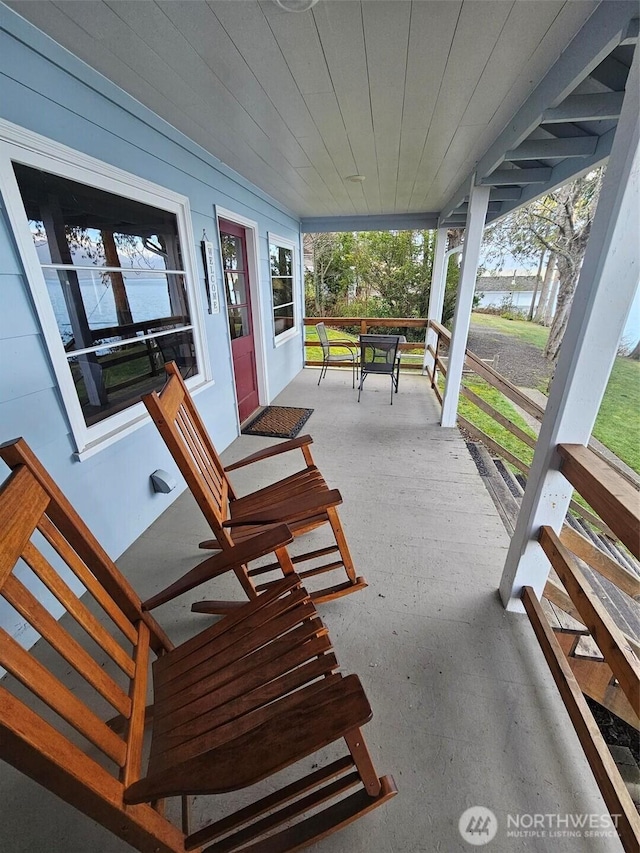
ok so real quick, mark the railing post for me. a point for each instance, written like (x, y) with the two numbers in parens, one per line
(434, 371)
(363, 326)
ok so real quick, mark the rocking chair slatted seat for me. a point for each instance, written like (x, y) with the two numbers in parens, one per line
(252, 694)
(302, 501)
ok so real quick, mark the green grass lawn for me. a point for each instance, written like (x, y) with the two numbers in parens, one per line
(487, 424)
(315, 353)
(530, 333)
(617, 425)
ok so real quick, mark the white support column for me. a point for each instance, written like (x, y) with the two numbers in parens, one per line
(604, 294)
(477, 213)
(436, 294)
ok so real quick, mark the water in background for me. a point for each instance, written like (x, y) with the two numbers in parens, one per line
(148, 300)
(520, 300)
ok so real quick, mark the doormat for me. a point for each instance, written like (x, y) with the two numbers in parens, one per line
(278, 422)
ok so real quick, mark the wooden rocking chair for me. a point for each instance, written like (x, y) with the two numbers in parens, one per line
(302, 501)
(252, 694)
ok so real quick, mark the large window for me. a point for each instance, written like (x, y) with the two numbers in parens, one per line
(109, 260)
(281, 257)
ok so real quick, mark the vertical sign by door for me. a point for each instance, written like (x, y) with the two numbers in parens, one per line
(208, 258)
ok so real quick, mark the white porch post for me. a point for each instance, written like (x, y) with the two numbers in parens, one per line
(604, 294)
(436, 294)
(478, 202)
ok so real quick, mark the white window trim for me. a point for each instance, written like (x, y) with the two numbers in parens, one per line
(253, 243)
(32, 149)
(294, 332)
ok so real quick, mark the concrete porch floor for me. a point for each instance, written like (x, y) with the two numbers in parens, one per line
(465, 710)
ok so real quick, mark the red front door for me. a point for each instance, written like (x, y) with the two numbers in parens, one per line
(238, 290)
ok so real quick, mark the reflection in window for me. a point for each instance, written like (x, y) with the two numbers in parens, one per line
(236, 281)
(281, 263)
(114, 274)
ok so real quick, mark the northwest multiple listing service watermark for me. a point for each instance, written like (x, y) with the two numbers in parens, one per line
(479, 825)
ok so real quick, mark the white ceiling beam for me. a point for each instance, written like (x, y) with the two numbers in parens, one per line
(563, 172)
(381, 222)
(518, 176)
(505, 194)
(606, 105)
(611, 73)
(603, 31)
(553, 149)
(463, 208)
(496, 196)
(632, 32)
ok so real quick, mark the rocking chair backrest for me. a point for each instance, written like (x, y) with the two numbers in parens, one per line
(186, 437)
(45, 545)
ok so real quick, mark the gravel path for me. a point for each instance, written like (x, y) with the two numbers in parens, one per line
(520, 362)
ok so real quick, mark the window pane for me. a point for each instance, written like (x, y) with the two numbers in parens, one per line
(283, 319)
(114, 378)
(281, 260)
(89, 230)
(239, 324)
(232, 256)
(282, 290)
(72, 223)
(92, 306)
(236, 288)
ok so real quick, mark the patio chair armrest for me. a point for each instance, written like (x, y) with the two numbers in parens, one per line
(336, 342)
(302, 441)
(250, 549)
(289, 511)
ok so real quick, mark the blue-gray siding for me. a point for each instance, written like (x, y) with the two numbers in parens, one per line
(45, 89)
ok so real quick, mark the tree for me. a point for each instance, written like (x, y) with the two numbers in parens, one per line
(559, 223)
(572, 208)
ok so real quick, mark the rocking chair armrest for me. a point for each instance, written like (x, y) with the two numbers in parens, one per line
(250, 549)
(275, 449)
(289, 511)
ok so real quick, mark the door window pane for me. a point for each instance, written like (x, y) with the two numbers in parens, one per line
(239, 325)
(232, 254)
(236, 288)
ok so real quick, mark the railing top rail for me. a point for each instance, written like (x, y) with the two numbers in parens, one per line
(414, 322)
(613, 497)
(440, 329)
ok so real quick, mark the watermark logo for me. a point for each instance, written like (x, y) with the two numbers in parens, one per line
(478, 825)
(562, 825)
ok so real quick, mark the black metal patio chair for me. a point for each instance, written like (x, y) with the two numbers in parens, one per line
(379, 354)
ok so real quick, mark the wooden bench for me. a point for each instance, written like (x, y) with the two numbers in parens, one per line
(250, 695)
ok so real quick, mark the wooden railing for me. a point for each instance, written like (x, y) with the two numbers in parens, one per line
(474, 364)
(364, 324)
(618, 673)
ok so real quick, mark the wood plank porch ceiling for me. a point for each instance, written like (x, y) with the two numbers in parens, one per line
(412, 95)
